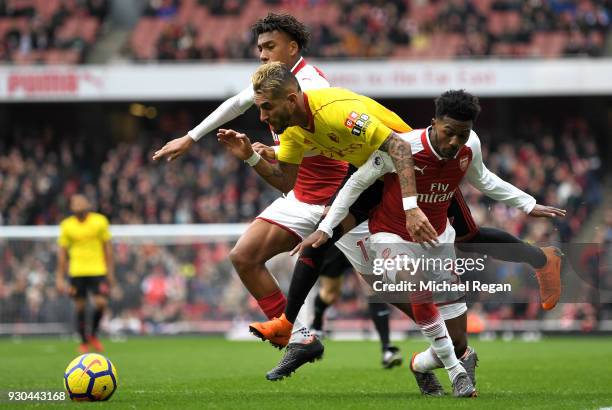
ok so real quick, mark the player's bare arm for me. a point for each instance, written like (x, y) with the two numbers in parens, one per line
(281, 175)
(174, 149)
(62, 260)
(110, 264)
(417, 224)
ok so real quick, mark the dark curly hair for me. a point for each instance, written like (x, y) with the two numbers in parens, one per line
(458, 104)
(286, 23)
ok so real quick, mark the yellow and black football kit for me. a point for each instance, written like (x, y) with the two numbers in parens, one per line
(343, 125)
(85, 241)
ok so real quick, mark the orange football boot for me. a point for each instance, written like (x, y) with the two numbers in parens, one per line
(95, 343)
(549, 278)
(277, 331)
(83, 348)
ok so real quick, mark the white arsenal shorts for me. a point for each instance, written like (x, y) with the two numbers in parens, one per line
(358, 248)
(294, 216)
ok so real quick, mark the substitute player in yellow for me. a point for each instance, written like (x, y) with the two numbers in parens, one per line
(85, 248)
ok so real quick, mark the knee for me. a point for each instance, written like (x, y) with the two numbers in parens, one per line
(100, 302)
(242, 260)
(79, 305)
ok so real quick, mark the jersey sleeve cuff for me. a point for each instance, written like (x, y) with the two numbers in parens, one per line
(193, 135)
(528, 207)
(325, 228)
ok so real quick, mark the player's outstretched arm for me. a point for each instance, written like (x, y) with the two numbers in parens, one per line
(281, 175)
(227, 111)
(174, 149)
(417, 224)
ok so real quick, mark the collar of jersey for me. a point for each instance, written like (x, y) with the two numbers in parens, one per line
(301, 63)
(427, 143)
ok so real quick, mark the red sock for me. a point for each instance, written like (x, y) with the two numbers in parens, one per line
(273, 305)
(425, 314)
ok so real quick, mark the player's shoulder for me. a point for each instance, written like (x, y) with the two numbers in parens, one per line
(67, 222)
(98, 218)
(473, 141)
(334, 99)
(414, 137)
(310, 77)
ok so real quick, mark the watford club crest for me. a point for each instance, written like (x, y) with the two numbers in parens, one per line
(463, 163)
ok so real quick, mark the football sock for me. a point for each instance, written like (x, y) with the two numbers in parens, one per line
(98, 313)
(319, 311)
(519, 251)
(379, 313)
(426, 361)
(433, 328)
(300, 332)
(273, 305)
(81, 325)
(305, 275)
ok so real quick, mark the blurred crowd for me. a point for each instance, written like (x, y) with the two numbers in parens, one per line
(165, 282)
(53, 31)
(382, 29)
(206, 186)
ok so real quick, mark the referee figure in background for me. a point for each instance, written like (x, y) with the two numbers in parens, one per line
(85, 249)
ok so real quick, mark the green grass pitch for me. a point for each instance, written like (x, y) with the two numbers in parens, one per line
(191, 372)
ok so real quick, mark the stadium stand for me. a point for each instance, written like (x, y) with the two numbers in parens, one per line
(49, 31)
(191, 29)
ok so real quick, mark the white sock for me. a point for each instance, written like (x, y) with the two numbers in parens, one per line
(442, 345)
(426, 361)
(300, 332)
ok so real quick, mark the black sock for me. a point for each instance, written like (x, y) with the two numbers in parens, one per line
(319, 311)
(379, 313)
(81, 325)
(98, 313)
(305, 275)
(520, 252)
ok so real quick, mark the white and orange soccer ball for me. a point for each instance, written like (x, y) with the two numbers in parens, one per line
(90, 377)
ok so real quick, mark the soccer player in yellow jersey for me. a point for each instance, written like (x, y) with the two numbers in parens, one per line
(84, 245)
(335, 122)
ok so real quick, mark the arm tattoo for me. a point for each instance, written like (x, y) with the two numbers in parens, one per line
(275, 176)
(401, 155)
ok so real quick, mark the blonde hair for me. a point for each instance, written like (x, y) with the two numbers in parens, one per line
(273, 79)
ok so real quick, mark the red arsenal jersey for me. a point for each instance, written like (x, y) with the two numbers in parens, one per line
(436, 179)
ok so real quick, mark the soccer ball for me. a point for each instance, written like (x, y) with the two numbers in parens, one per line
(90, 377)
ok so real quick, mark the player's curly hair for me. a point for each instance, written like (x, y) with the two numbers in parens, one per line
(274, 79)
(457, 104)
(286, 23)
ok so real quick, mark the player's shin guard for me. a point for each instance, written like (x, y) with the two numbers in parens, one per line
(433, 328)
